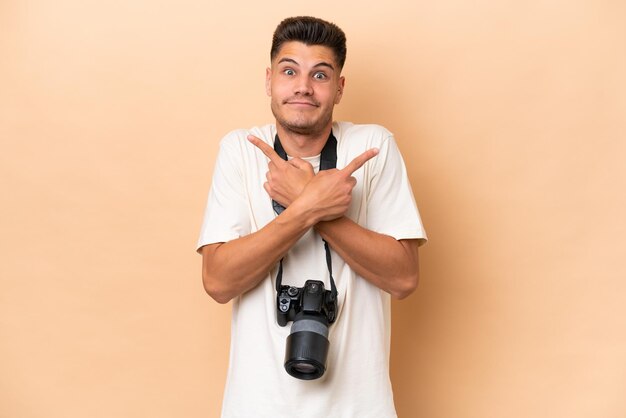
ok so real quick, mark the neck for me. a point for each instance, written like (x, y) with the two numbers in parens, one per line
(303, 145)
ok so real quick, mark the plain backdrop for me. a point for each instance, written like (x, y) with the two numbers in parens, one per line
(511, 117)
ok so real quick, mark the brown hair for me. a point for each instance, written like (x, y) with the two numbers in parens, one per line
(310, 31)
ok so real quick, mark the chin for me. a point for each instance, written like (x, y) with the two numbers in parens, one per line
(303, 127)
(298, 125)
(299, 129)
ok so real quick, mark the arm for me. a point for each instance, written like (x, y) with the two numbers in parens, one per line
(232, 268)
(389, 264)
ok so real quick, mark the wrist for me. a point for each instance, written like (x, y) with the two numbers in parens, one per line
(299, 211)
(325, 227)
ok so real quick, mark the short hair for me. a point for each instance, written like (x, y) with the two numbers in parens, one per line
(310, 31)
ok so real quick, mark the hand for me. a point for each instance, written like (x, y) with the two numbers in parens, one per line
(285, 179)
(329, 194)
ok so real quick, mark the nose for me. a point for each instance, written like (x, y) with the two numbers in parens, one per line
(303, 86)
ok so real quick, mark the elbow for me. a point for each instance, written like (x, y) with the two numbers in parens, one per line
(212, 279)
(405, 287)
(407, 282)
(213, 289)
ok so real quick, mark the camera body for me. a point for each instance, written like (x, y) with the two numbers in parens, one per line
(312, 298)
(312, 309)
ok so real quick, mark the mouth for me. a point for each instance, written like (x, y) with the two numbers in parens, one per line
(301, 103)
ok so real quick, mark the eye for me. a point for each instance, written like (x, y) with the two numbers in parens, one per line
(288, 71)
(320, 76)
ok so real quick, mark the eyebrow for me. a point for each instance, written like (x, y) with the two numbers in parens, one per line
(320, 64)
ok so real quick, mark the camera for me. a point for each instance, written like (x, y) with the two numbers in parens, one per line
(312, 309)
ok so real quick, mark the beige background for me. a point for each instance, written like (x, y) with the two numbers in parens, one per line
(510, 115)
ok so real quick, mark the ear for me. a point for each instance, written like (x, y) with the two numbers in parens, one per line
(268, 81)
(340, 87)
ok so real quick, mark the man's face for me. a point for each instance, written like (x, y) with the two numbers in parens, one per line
(305, 84)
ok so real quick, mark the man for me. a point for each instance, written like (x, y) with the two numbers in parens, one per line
(364, 209)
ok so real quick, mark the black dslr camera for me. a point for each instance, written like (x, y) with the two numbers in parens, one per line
(312, 309)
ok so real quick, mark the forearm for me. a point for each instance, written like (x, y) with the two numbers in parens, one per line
(232, 268)
(389, 264)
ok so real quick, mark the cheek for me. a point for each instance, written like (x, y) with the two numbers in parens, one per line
(328, 96)
(279, 89)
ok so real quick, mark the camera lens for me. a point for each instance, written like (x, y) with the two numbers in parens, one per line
(307, 347)
(304, 368)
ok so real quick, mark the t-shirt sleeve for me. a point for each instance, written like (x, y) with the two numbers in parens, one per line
(391, 205)
(226, 216)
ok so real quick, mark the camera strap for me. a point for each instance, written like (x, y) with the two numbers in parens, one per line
(328, 160)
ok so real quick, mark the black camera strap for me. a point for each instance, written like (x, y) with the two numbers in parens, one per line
(328, 160)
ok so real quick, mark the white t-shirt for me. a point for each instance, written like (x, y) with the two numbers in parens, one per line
(356, 382)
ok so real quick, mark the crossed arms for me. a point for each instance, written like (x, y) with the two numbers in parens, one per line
(317, 201)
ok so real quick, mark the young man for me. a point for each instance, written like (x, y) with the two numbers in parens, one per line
(265, 207)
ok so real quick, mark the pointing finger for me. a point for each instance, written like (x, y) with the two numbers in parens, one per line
(265, 149)
(301, 164)
(358, 162)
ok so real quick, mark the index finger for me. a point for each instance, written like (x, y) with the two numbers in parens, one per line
(358, 161)
(265, 149)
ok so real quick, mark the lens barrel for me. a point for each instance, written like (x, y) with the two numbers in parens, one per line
(307, 347)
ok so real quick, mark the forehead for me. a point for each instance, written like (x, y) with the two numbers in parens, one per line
(305, 54)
